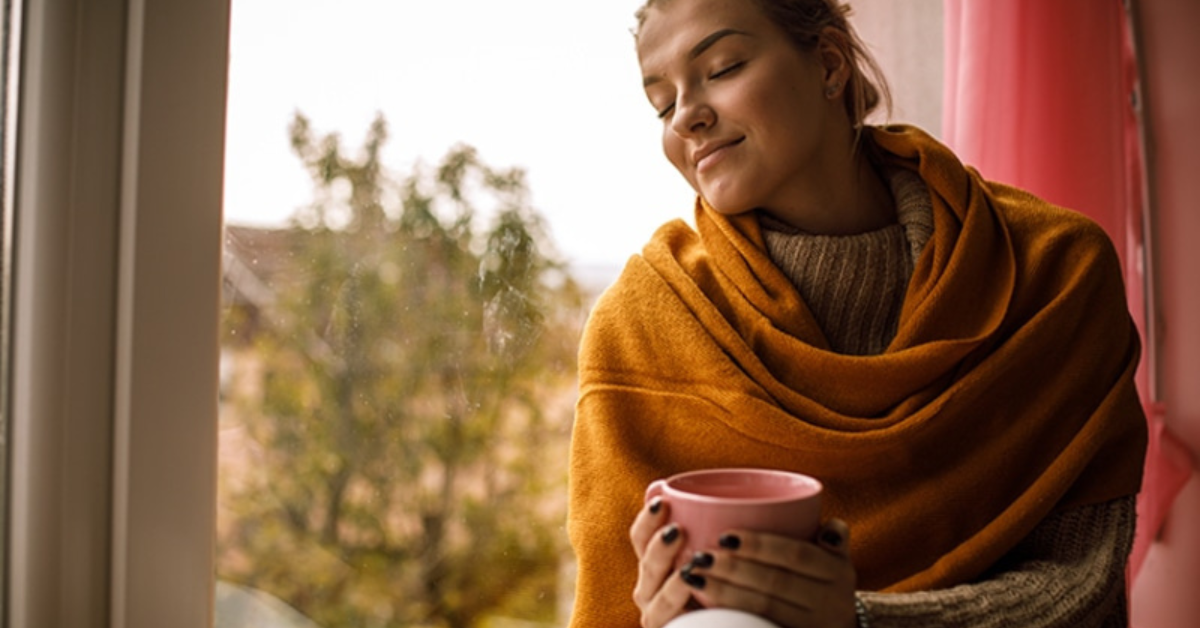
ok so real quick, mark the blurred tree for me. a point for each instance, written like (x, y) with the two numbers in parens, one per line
(417, 375)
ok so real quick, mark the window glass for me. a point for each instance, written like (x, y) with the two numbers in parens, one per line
(398, 381)
(409, 259)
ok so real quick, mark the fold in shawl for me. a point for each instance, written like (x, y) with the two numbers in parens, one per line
(1007, 392)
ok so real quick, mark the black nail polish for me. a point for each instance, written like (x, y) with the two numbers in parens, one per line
(655, 505)
(729, 541)
(670, 534)
(702, 560)
(830, 537)
(692, 580)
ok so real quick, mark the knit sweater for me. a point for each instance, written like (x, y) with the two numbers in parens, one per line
(1071, 570)
(854, 285)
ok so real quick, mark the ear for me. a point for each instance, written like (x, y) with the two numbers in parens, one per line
(833, 51)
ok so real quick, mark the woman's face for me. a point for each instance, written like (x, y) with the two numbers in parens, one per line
(746, 115)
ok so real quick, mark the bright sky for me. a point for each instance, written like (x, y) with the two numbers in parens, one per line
(549, 85)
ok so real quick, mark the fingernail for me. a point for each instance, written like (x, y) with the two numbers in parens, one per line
(655, 505)
(670, 534)
(692, 580)
(831, 537)
(729, 541)
(702, 560)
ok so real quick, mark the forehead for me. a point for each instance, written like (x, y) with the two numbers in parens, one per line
(673, 27)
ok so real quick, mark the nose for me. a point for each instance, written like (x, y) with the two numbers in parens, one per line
(692, 115)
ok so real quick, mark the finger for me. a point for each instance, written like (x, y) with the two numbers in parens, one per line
(657, 563)
(715, 593)
(726, 579)
(651, 517)
(669, 602)
(731, 572)
(834, 536)
(800, 557)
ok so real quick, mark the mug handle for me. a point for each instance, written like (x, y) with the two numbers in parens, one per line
(655, 489)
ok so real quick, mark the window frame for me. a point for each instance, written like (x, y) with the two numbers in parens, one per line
(115, 313)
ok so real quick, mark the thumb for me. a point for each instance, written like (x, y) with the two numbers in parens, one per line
(834, 536)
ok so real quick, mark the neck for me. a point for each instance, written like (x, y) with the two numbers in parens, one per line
(845, 197)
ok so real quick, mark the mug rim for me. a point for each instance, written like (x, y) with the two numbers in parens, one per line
(813, 484)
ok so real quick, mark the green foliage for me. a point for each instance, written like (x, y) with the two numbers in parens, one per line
(417, 374)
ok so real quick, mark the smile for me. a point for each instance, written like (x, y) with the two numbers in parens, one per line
(709, 154)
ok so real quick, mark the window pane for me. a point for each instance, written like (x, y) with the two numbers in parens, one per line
(399, 341)
(397, 394)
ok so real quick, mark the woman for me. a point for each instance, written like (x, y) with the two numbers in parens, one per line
(952, 357)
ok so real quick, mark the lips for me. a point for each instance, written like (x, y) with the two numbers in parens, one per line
(710, 151)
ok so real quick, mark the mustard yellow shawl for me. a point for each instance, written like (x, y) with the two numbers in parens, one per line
(1007, 392)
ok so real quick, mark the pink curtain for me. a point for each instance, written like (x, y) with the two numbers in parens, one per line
(1039, 94)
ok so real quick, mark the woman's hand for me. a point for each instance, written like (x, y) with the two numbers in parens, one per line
(795, 584)
(660, 593)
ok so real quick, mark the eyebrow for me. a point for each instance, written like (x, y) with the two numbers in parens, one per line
(699, 48)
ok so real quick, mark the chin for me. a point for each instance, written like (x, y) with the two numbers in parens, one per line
(727, 197)
(727, 206)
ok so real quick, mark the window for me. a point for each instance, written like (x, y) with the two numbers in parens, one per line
(400, 324)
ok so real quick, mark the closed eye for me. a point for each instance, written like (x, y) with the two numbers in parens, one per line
(666, 112)
(727, 69)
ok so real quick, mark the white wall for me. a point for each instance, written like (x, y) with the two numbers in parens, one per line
(906, 39)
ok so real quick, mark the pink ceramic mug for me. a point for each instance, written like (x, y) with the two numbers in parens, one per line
(709, 502)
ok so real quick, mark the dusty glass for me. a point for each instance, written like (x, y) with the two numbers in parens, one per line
(397, 384)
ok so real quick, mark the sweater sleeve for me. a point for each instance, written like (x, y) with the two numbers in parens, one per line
(1070, 572)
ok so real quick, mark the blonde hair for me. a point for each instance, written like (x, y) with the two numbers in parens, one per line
(803, 21)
